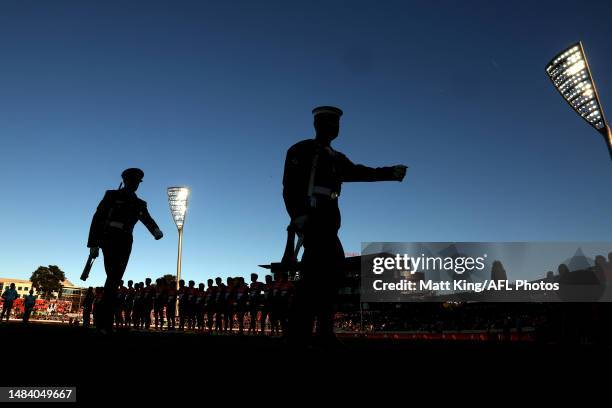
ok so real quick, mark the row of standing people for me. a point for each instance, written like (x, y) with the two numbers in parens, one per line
(214, 307)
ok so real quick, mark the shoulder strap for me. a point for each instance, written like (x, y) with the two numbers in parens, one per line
(313, 171)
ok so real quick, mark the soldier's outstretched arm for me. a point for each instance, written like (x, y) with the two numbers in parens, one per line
(351, 172)
(148, 221)
(97, 222)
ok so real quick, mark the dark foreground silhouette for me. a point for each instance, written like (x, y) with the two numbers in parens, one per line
(145, 366)
(312, 182)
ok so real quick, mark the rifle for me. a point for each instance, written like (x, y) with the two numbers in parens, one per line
(289, 262)
(87, 268)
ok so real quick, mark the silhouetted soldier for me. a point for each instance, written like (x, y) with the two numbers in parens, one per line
(241, 294)
(129, 303)
(255, 301)
(171, 304)
(228, 305)
(267, 303)
(149, 299)
(191, 299)
(275, 304)
(199, 306)
(182, 301)
(284, 293)
(159, 303)
(88, 306)
(120, 304)
(313, 175)
(111, 229)
(211, 296)
(219, 304)
(138, 314)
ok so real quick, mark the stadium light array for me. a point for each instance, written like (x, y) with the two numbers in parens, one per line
(570, 74)
(178, 199)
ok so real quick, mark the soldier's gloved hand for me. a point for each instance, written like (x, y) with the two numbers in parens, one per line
(399, 172)
(158, 234)
(94, 252)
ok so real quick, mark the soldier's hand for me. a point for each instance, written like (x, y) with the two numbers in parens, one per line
(94, 252)
(399, 172)
(158, 234)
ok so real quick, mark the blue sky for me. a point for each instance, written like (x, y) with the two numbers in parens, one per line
(211, 94)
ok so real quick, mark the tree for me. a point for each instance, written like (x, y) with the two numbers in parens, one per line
(169, 278)
(48, 279)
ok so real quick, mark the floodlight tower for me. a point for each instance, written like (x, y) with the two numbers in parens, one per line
(177, 199)
(570, 74)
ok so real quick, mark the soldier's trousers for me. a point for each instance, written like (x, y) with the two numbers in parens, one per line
(210, 315)
(147, 314)
(158, 312)
(128, 315)
(116, 253)
(317, 289)
(171, 314)
(253, 310)
(183, 318)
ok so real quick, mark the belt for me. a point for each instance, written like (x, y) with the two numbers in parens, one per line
(324, 191)
(116, 224)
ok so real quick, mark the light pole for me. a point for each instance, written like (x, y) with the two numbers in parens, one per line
(571, 75)
(177, 200)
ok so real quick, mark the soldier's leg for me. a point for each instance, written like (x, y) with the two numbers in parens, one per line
(147, 316)
(86, 317)
(187, 316)
(161, 317)
(156, 315)
(128, 316)
(218, 320)
(121, 312)
(253, 320)
(331, 280)
(117, 314)
(171, 315)
(264, 317)
(282, 318)
(192, 316)
(240, 318)
(135, 315)
(116, 255)
(181, 315)
(301, 315)
(228, 320)
(201, 313)
(274, 312)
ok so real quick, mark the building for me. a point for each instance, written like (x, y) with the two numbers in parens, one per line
(69, 291)
(22, 286)
(72, 293)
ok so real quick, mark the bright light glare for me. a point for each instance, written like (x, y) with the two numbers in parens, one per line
(178, 200)
(575, 68)
(570, 74)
